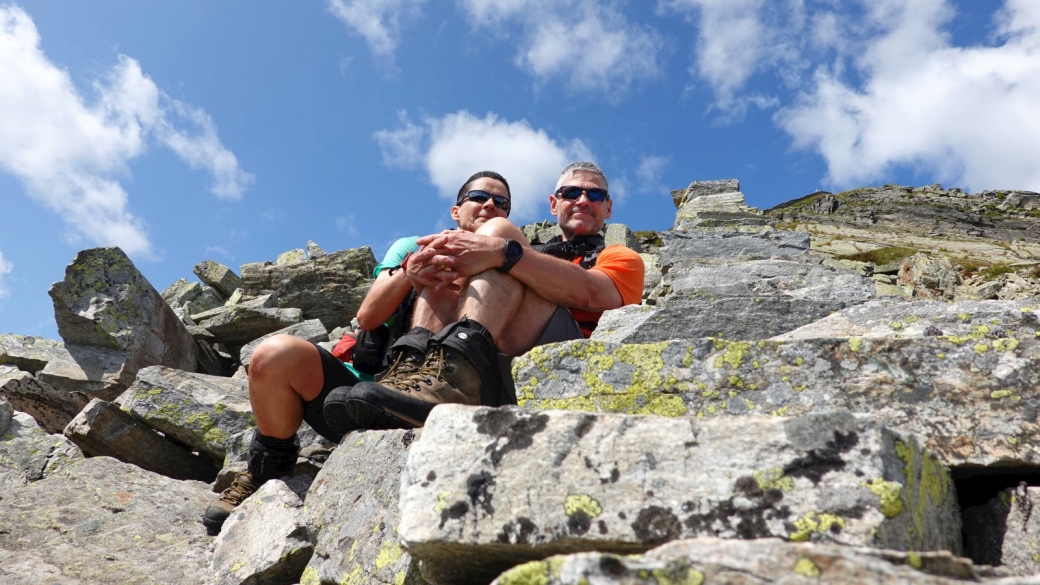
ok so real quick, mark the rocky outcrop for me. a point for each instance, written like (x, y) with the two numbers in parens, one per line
(802, 391)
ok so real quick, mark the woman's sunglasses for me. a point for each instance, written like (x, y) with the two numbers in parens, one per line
(595, 194)
(501, 201)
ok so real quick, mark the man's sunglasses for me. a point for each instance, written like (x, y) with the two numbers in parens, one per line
(501, 201)
(595, 194)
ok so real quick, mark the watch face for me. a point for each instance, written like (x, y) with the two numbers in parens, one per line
(514, 250)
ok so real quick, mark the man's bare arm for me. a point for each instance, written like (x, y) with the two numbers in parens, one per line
(555, 280)
(383, 298)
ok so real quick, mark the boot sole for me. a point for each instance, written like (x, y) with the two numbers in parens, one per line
(371, 406)
(337, 417)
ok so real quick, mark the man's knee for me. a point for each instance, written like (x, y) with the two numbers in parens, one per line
(280, 355)
(501, 227)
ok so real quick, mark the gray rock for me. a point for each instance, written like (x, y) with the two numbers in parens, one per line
(618, 233)
(557, 482)
(760, 278)
(106, 522)
(264, 540)
(6, 412)
(721, 210)
(972, 401)
(92, 371)
(541, 232)
(105, 302)
(102, 428)
(931, 277)
(731, 244)
(180, 293)
(311, 330)
(218, 276)
(237, 325)
(292, 257)
(28, 454)
(30, 354)
(353, 508)
(52, 408)
(209, 298)
(704, 188)
(966, 320)
(329, 288)
(740, 562)
(1021, 548)
(200, 411)
(314, 250)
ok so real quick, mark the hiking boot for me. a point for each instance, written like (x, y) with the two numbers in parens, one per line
(219, 509)
(447, 375)
(408, 353)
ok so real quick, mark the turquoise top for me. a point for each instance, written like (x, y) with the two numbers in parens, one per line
(394, 256)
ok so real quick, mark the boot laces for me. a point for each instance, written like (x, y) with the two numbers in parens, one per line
(434, 367)
(406, 362)
(241, 488)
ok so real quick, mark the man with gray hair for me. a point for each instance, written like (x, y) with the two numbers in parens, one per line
(510, 297)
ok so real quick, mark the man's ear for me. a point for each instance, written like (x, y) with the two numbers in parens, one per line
(552, 204)
(455, 213)
(610, 209)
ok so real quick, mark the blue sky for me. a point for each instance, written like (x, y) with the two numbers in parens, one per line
(234, 131)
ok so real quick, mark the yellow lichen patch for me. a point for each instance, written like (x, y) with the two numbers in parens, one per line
(736, 382)
(750, 405)
(734, 355)
(782, 411)
(941, 355)
(798, 361)
(1006, 344)
(812, 522)
(1012, 440)
(310, 577)
(582, 503)
(979, 331)
(773, 478)
(910, 319)
(998, 394)
(981, 348)
(805, 566)
(965, 317)
(678, 575)
(914, 560)
(388, 554)
(890, 494)
(533, 573)
(897, 325)
(238, 565)
(555, 564)
(956, 340)
(442, 502)
(927, 480)
(855, 343)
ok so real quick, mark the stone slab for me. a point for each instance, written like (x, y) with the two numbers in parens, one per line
(485, 489)
(218, 276)
(52, 408)
(28, 453)
(766, 243)
(704, 188)
(92, 371)
(972, 401)
(200, 411)
(311, 330)
(28, 353)
(102, 428)
(237, 325)
(766, 561)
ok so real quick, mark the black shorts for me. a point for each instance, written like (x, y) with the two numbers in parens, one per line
(336, 375)
(561, 327)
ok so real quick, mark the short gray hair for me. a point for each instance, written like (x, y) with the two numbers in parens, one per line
(581, 167)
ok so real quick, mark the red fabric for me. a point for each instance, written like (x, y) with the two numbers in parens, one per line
(626, 269)
(344, 350)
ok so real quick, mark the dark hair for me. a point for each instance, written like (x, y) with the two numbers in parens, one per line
(482, 175)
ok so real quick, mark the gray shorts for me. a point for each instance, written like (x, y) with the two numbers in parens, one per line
(561, 327)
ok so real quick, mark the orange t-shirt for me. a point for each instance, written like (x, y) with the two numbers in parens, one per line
(626, 269)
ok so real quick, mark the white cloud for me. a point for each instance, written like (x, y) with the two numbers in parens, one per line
(650, 168)
(347, 225)
(378, 21)
(68, 154)
(451, 148)
(580, 44)
(5, 269)
(966, 115)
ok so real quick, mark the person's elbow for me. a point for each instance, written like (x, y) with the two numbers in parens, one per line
(368, 321)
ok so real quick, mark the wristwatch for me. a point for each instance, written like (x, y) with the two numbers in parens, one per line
(514, 252)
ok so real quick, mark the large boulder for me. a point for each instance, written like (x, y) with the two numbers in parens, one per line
(330, 287)
(105, 302)
(735, 245)
(218, 276)
(102, 428)
(197, 410)
(972, 401)
(238, 324)
(28, 353)
(485, 489)
(353, 509)
(92, 371)
(106, 522)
